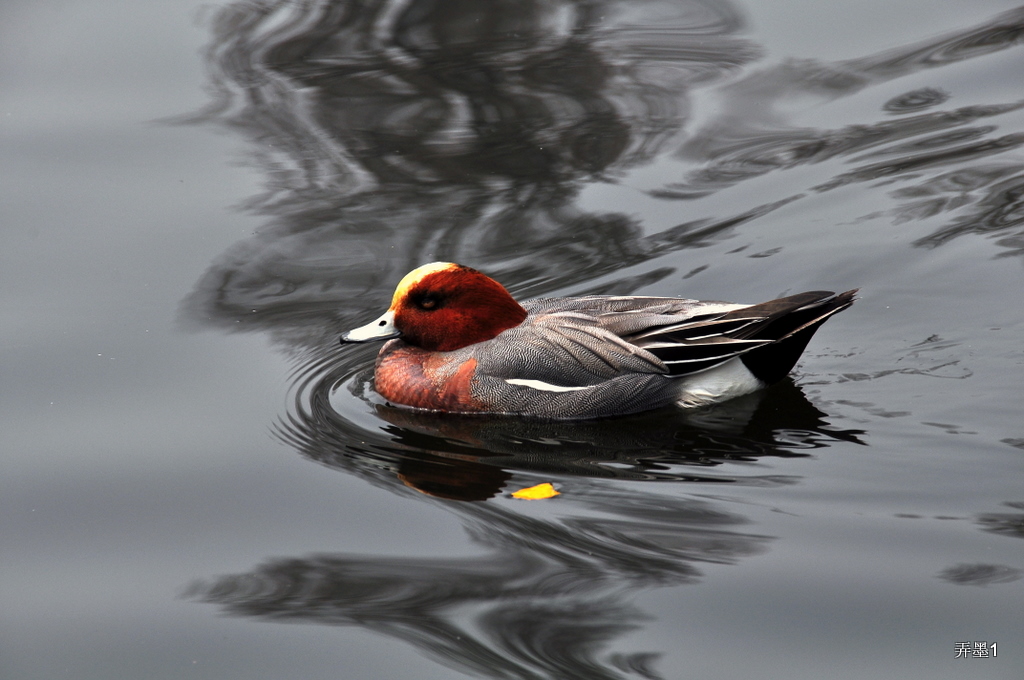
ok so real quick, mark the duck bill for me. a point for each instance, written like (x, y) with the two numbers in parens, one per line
(379, 329)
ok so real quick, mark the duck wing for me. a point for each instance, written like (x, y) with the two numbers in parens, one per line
(563, 349)
(769, 337)
(575, 342)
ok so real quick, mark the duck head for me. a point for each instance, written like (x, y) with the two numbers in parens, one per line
(442, 307)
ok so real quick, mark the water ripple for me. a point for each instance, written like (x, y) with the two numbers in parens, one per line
(546, 598)
(916, 100)
(751, 136)
(980, 574)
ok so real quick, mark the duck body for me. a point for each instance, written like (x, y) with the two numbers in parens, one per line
(459, 343)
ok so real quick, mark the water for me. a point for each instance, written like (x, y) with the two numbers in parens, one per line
(199, 199)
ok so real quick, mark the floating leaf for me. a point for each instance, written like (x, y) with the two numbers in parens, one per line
(535, 493)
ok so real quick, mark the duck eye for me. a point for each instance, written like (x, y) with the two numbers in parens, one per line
(429, 302)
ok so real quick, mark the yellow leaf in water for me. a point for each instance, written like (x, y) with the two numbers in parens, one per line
(536, 493)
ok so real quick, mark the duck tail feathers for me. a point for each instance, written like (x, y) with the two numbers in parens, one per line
(789, 324)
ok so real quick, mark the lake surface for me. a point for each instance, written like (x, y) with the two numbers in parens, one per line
(197, 200)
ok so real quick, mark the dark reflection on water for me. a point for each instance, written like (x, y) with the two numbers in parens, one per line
(980, 574)
(1010, 524)
(498, 616)
(1005, 523)
(735, 149)
(505, 615)
(750, 138)
(916, 100)
(545, 600)
(392, 135)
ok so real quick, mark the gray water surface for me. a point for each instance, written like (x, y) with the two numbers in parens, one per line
(198, 199)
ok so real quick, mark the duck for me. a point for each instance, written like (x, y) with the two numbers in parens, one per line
(458, 342)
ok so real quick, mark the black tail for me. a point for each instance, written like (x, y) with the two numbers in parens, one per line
(790, 322)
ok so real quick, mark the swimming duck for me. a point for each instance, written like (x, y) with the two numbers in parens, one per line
(458, 342)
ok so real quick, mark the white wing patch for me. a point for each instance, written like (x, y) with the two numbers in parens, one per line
(541, 385)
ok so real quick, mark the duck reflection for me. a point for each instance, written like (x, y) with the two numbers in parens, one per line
(669, 445)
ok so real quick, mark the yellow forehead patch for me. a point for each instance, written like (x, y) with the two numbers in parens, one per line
(415, 276)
